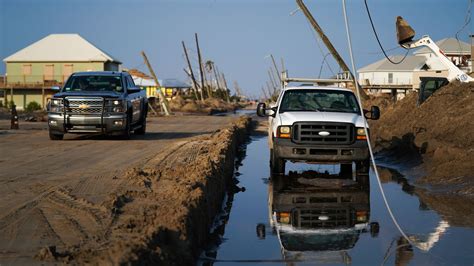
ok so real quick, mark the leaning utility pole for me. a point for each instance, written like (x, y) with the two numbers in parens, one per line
(276, 68)
(270, 90)
(226, 90)
(328, 44)
(191, 72)
(265, 93)
(274, 84)
(217, 77)
(163, 101)
(200, 66)
(208, 87)
(237, 88)
(189, 76)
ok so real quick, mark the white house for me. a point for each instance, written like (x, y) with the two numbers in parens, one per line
(384, 73)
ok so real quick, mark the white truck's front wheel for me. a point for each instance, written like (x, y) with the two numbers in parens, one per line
(277, 164)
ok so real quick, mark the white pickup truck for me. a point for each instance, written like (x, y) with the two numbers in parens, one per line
(317, 125)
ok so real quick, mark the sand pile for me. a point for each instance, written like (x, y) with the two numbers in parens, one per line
(441, 130)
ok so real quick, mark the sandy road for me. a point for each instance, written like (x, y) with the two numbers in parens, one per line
(54, 192)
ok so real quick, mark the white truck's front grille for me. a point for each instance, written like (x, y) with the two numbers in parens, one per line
(323, 133)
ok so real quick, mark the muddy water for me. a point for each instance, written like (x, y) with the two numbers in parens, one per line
(314, 215)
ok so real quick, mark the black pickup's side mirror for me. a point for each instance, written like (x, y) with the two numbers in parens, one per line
(261, 107)
(133, 90)
(374, 113)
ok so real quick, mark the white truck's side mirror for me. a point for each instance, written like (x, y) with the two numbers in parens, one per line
(262, 110)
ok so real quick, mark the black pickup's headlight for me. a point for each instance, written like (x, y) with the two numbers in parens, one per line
(56, 102)
(115, 106)
(56, 105)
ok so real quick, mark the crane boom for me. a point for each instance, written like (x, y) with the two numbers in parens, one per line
(453, 71)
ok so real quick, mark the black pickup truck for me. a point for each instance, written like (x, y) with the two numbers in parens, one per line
(98, 102)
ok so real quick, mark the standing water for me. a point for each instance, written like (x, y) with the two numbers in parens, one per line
(316, 215)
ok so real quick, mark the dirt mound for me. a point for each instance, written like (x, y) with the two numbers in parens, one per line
(209, 106)
(164, 215)
(440, 129)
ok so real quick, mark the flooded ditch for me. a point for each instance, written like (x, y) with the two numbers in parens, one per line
(315, 215)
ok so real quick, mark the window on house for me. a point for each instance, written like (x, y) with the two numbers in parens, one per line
(26, 70)
(48, 73)
(67, 70)
(390, 78)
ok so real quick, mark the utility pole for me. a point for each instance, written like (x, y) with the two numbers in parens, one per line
(269, 88)
(189, 75)
(283, 69)
(226, 90)
(274, 85)
(191, 71)
(237, 88)
(200, 65)
(265, 93)
(328, 44)
(217, 77)
(208, 87)
(163, 101)
(276, 68)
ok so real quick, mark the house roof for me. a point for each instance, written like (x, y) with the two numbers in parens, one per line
(61, 48)
(174, 83)
(137, 73)
(410, 63)
(166, 83)
(449, 46)
(143, 82)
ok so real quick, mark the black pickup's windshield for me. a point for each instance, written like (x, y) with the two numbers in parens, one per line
(319, 100)
(94, 83)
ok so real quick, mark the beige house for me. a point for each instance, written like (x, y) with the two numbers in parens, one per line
(32, 71)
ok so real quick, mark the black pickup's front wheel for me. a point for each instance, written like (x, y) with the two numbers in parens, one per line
(277, 164)
(142, 129)
(126, 133)
(53, 136)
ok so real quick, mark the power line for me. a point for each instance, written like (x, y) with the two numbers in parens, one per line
(371, 153)
(377, 37)
(467, 20)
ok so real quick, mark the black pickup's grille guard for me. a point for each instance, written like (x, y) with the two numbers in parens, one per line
(309, 133)
(84, 105)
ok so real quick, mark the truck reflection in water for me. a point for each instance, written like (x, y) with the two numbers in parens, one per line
(319, 217)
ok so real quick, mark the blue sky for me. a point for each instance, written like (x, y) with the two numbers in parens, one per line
(236, 34)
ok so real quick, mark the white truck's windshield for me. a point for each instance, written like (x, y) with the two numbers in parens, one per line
(319, 100)
(94, 83)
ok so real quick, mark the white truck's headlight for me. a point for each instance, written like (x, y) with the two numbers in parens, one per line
(361, 133)
(284, 132)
